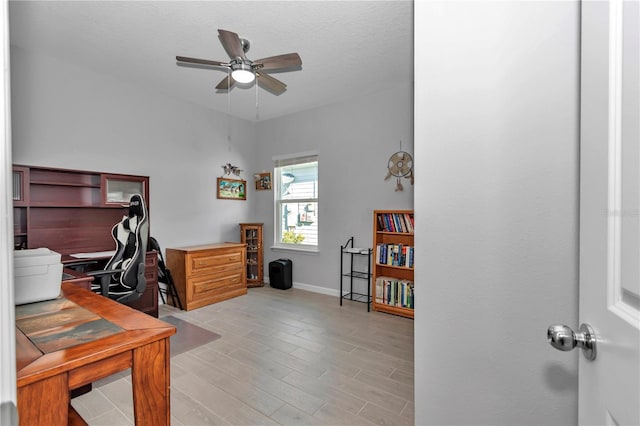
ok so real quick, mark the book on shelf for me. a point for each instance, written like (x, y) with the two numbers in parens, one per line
(408, 221)
(396, 222)
(394, 255)
(389, 223)
(394, 292)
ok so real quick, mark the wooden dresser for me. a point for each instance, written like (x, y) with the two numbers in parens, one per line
(209, 273)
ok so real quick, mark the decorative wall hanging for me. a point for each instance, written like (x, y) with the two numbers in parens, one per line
(263, 181)
(232, 189)
(400, 165)
(228, 169)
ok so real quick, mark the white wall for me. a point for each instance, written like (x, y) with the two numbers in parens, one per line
(496, 114)
(70, 117)
(8, 394)
(354, 139)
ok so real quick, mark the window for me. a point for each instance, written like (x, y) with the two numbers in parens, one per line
(296, 202)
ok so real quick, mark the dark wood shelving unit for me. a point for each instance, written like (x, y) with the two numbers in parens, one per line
(67, 211)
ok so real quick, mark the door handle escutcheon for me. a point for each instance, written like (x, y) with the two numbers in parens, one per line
(563, 338)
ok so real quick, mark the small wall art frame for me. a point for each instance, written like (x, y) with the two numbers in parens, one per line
(231, 189)
(263, 181)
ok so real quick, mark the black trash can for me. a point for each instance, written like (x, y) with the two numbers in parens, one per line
(280, 275)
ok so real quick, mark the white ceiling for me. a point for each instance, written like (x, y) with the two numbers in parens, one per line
(348, 48)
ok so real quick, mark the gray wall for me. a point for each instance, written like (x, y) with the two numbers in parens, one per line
(354, 140)
(496, 114)
(70, 117)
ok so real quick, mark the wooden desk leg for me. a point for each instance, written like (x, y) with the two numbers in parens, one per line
(75, 419)
(150, 376)
(45, 402)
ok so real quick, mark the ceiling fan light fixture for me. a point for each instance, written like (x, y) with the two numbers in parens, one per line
(242, 73)
(245, 71)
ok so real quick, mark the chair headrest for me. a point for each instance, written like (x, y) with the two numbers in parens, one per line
(136, 206)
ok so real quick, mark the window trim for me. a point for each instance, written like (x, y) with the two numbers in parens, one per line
(290, 160)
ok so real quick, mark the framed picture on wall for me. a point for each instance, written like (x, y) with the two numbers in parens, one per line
(231, 189)
(263, 181)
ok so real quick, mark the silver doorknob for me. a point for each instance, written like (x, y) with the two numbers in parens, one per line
(563, 338)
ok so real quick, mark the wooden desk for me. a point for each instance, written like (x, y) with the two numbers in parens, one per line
(78, 278)
(82, 337)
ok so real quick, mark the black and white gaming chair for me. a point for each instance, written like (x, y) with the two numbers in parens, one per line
(123, 277)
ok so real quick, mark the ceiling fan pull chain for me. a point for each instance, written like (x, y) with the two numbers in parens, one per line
(257, 106)
(229, 111)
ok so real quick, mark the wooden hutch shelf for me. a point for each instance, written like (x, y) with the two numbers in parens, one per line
(73, 211)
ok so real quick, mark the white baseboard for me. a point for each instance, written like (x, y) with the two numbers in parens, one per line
(317, 289)
(313, 288)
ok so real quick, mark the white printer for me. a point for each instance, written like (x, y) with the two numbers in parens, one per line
(37, 275)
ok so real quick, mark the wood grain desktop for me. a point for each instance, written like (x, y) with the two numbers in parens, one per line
(69, 342)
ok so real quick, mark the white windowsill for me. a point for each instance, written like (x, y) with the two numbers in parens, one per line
(296, 250)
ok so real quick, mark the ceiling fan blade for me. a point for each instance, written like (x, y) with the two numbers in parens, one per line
(288, 60)
(200, 61)
(231, 43)
(271, 84)
(226, 83)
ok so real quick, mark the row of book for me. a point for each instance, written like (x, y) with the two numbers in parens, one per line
(394, 255)
(394, 292)
(396, 222)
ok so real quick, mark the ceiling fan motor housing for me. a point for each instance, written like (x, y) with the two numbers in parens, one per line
(246, 44)
(241, 64)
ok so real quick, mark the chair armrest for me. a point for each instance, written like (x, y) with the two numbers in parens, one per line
(102, 273)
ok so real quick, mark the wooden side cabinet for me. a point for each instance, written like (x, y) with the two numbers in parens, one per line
(209, 273)
(251, 235)
(148, 302)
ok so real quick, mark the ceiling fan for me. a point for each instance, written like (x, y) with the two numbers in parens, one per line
(244, 70)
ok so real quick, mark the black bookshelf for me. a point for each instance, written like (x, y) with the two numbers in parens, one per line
(349, 252)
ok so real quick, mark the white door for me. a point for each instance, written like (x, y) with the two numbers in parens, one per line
(609, 386)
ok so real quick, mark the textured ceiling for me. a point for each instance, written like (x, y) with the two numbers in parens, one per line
(348, 48)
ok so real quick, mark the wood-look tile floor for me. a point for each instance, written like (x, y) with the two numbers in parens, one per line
(288, 357)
